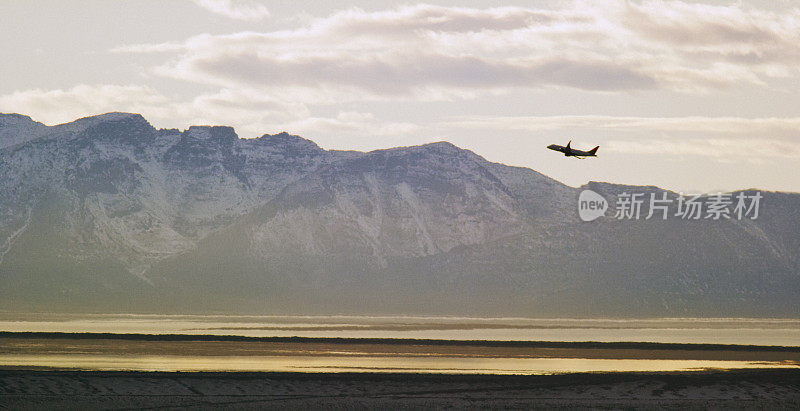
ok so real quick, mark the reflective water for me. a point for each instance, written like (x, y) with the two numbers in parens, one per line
(94, 354)
(670, 330)
(458, 365)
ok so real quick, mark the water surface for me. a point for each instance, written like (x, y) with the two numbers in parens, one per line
(785, 332)
(460, 365)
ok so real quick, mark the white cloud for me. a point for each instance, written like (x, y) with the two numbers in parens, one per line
(59, 106)
(251, 112)
(722, 149)
(426, 52)
(235, 9)
(729, 125)
(149, 48)
(363, 131)
(265, 80)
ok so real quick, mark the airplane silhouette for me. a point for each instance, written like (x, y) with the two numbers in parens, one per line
(571, 152)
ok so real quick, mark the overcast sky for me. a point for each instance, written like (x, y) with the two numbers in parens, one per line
(690, 96)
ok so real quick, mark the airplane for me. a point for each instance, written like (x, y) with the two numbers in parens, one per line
(571, 152)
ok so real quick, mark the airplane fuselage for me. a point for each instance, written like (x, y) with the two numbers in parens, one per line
(571, 152)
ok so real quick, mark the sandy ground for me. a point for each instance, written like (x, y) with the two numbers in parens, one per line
(748, 389)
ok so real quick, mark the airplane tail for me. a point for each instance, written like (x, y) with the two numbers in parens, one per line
(594, 150)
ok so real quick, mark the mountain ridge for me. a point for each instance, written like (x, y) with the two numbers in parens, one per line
(128, 217)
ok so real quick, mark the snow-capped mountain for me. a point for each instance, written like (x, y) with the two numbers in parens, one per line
(109, 214)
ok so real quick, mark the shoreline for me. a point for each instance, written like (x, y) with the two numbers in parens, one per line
(146, 352)
(572, 377)
(397, 341)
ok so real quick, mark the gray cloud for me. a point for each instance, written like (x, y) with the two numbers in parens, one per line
(250, 111)
(702, 24)
(724, 125)
(434, 52)
(406, 20)
(409, 74)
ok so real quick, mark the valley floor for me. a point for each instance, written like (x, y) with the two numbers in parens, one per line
(763, 389)
(141, 371)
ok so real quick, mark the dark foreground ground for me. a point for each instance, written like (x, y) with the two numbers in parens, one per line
(759, 389)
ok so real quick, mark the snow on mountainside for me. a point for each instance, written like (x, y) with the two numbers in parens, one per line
(139, 194)
(16, 129)
(108, 213)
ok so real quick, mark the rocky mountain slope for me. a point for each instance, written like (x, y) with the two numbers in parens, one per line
(109, 214)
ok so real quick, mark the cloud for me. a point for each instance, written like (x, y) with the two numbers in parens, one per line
(353, 123)
(414, 52)
(251, 112)
(362, 131)
(426, 52)
(729, 125)
(723, 149)
(149, 48)
(266, 80)
(235, 9)
(697, 24)
(398, 75)
(59, 106)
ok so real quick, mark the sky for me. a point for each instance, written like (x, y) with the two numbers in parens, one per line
(697, 97)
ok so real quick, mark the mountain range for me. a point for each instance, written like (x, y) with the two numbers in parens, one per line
(109, 214)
